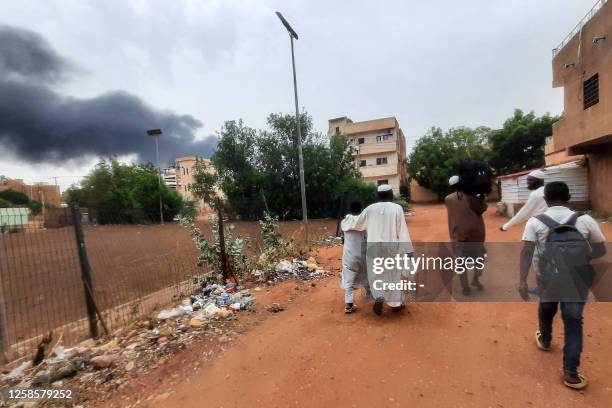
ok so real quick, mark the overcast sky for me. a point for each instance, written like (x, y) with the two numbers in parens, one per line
(191, 65)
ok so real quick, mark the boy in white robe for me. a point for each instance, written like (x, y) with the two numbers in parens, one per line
(353, 258)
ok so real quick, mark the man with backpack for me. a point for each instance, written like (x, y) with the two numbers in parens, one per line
(560, 244)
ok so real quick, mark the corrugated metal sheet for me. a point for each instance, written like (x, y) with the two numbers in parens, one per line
(514, 190)
(14, 216)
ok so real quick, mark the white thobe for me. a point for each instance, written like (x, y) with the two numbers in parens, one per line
(535, 205)
(387, 236)
(353, 259)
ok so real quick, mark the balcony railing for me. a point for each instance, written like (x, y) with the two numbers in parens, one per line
(579, 26)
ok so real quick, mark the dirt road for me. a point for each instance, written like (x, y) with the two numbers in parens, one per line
(432, 355)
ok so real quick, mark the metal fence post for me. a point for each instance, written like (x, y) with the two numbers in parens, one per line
(85, 270)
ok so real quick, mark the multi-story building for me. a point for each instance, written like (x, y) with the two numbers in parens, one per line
(171, 178)
(582, 65)
(47, 193)
(380, 150)
(180, 177)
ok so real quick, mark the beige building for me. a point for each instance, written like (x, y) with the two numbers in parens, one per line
(380, 150)
(180, 177)
(582, 65)
(49, 194)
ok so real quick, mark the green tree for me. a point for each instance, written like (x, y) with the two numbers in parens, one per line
(519, 144)
(35, 207)
(15, 197)
(5, 203)
(259, 169)
(205, 182)
(436, 155)
(125, 193)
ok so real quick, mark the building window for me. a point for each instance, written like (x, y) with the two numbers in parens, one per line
(381, 161)
(362, 163)
(590, 89)
(337, 129)
(361, 140)
(383, 138)
(183, 170)
(381, 182)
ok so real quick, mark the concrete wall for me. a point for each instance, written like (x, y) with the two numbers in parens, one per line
(600, 174)
(420, 194)
(50, 194)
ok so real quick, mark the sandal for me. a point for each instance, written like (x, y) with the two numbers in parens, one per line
(576, 386)
(350, 309)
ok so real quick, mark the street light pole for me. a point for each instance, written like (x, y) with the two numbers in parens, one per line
(293, 35)
(156, 133)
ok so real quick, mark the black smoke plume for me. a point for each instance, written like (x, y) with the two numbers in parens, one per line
(39, 124)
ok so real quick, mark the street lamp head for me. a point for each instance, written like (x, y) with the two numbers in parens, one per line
(287, 25)
(154, 132)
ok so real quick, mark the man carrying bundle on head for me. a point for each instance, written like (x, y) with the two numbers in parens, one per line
(465, 207)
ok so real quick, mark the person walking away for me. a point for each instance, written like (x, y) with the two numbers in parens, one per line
(535, 203)
(353, 273)
(560, 244)
(466, 229)
(387, 237)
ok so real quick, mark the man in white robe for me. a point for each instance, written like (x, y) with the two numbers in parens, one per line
(387, 237)
(535, 203)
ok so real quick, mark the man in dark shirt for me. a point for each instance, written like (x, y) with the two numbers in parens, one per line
(466, 229)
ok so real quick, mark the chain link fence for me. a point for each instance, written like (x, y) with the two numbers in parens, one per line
(64, 273)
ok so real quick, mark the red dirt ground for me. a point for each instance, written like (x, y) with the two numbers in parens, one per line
(432, 355)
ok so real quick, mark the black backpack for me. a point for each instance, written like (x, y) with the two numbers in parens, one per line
(564, 271)
(475, 177)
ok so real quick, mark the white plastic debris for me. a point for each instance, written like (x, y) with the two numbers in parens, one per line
(168, 314)
(19, 370)
(211, 309)
(283, 266)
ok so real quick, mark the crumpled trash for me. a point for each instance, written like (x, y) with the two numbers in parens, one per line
(303, 270)
(275, 308)
(211, 309)
(177, 311)
(167, 314)
(284, 266)
(19, 370)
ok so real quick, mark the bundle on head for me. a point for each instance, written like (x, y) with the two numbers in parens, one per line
(475, 177)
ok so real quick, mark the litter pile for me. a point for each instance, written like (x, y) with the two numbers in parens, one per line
(99, 366)
(329, 240)
(291, 269)
(215, 301)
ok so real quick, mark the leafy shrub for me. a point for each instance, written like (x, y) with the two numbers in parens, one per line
(5, 203)
(14, 197)
(35, 207)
